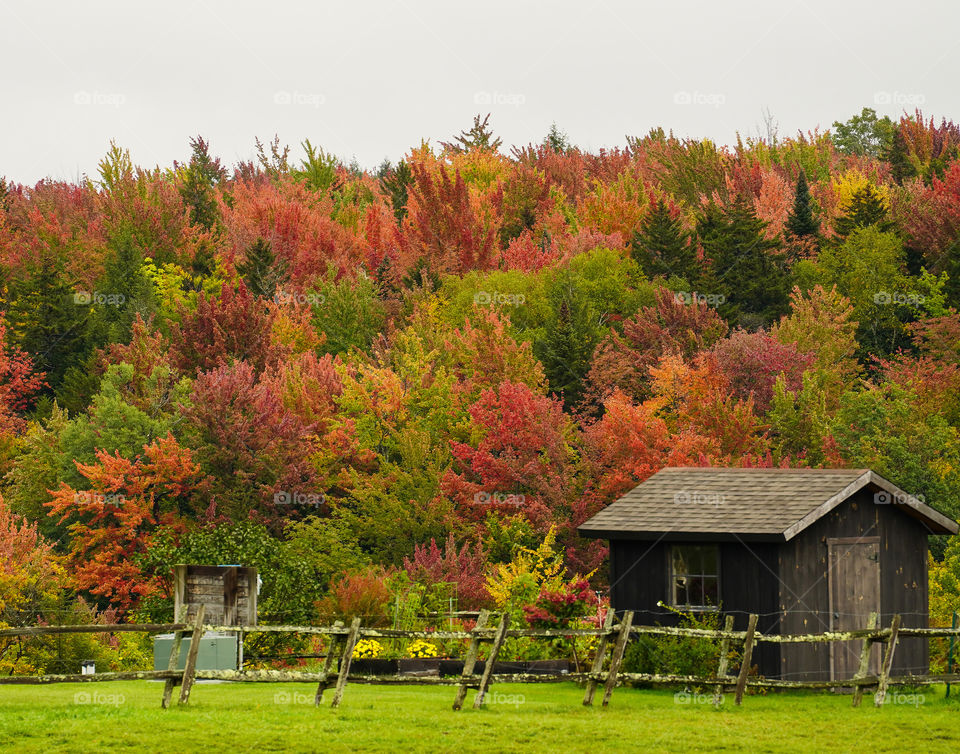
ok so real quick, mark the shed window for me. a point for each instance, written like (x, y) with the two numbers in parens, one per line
(694, 575)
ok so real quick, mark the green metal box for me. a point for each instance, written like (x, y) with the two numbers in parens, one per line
(218, 651)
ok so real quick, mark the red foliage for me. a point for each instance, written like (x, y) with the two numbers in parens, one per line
(522, 457)
(465, 567)
(111, 523)
(752, 362)
(248, 438)
(18, 384)
(447, 227)
(234, 326)
(362, 594)
(553, 608)
(298, 225)
(669, 327)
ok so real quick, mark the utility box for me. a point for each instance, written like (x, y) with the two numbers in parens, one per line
(218, 651)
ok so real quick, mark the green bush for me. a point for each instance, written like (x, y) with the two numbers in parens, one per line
(678, 655)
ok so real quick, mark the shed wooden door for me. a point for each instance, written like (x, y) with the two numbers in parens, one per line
(854, 586)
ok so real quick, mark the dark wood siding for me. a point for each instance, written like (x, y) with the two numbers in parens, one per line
(804, 591)
(639, 578)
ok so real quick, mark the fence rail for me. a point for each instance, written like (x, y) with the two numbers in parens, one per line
(613, 640)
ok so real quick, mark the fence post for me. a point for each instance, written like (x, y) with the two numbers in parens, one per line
(599, 658)
(864, 667)
(724, 660)
(953, 637)
(190, 667)
(884, 680)
(626, 623)
(172, 665)
(471, 659)
(498, 640)
(745, 661)
(345, 660)
(331, 658)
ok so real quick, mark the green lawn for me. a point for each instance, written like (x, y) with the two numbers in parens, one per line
(537, 717)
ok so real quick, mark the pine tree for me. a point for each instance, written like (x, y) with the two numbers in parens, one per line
(480, 136)
(395, 184)
(747, 269)
(48, 319)
(566, 347)
(866, 208)
(661, 246)
(261, 270)
(801, 221)
(122, 293)
(899, 158)
(556, 140)
(200, 177)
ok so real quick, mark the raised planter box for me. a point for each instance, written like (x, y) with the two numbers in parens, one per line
(373, 667)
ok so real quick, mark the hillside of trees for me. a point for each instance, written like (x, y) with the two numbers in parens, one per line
(392, 388)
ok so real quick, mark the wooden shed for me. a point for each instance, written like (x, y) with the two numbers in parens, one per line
(228, 592)
(808, 550)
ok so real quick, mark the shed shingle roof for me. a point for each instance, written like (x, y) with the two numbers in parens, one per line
(754, 503)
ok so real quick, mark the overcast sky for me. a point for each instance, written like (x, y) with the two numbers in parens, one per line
(369, 80)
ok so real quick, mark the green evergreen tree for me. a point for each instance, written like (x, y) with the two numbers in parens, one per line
(556, 140)
(123, 292)
(566, 345)
(261, 270)
(899, 158)
(801, 221)
(747, 269)
(479, 136)
(661, 246)
(199, 179)
(395, 183)
(866, 208)
(48, 318)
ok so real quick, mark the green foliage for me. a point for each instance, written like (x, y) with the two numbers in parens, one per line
(348, 311)
(882, 428)
(864, 134)
(661, 246)
(747, 269)
(198, 181)
(327, 545)
(680, 655)
(318, 170)
(801, 221)
(395, 183)
(867, 208)
(479, 136)
(261, 270)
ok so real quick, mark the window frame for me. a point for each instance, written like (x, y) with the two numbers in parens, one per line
(672, 577)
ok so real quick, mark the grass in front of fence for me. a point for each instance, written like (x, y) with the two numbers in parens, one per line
(532, 717)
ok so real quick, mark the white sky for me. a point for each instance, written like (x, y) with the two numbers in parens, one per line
(369, 80)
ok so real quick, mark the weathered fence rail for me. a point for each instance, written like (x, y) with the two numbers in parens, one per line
(613, 639)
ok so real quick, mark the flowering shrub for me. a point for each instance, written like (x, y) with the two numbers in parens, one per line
(367, 649)
(553, 606)
(421, 648)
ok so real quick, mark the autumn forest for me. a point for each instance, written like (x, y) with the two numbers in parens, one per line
(400, 389)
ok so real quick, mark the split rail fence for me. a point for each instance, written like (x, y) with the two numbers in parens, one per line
(605, 671)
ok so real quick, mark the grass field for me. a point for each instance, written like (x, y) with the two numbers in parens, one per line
(544, 717)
